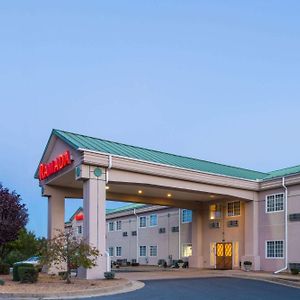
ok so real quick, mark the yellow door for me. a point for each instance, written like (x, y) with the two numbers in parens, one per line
(224, 256)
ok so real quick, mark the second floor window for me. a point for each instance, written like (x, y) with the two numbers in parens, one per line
(119, 225)
(233, 208)
(274, 202)
(143, 222)
(79, 229)
(186, 216)
(111, 226)
(153, 220)
(215, 211)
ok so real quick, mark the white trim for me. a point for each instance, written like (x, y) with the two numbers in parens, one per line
(150, 220)
(140, 251)
(266, 203)
(179, 168)
(117, 252)
(150, 251)
(140, 221)
(266, 252)
(233, 216)
(186, 222)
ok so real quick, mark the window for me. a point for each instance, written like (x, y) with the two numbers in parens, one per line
(186, 250)
(133, 233)
(143, 222)
(274, 202)
(186, 216)
(111, 226)
(119, 225)
(274, 249)
(125, 233)
(118, 251)
(111, 251)
(215, 211)
(153, 220)
(233, 223)
(79, 229)
(142, 250)
(153, 250)
(233, 209)
(214, 224)
(162, 230)
(175, 229)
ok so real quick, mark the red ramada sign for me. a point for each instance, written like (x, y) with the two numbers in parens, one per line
(60, 162)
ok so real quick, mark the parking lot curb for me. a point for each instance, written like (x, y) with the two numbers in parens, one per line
(127, 287)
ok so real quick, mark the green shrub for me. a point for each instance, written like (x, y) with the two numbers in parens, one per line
(4, 269)
(28, 274)
(14, 256)
(295, 271)
(2, 282)
(63, 275)
(109, 275)
(16, 267)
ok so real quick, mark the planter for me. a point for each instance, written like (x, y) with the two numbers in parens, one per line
(247, 265)
(180, 265)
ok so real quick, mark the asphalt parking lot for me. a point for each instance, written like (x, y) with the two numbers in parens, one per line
(209, 289)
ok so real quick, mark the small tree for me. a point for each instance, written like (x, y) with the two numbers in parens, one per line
(66, 252)
(13, 217)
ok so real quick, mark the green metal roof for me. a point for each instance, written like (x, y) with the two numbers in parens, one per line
(109, 211)
(86, 142)
(125, 208)
(283, 172)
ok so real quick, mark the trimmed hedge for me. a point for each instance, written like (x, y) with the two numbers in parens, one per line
(16, 267)
(28, 274)
(109, 275)
(4, 269)
(2, 282)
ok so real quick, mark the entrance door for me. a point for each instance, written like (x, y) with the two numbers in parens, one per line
(224, 256)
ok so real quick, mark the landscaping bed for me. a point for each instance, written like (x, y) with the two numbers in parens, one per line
(53, 285)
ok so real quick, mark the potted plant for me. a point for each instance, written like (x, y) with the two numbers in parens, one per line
(247, 265)
(180, 263)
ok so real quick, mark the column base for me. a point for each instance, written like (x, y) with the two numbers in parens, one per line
(196, 261)
(255, 262)
(96, 272)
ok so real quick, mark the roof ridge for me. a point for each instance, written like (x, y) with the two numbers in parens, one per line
(162, 152)
(282, 169)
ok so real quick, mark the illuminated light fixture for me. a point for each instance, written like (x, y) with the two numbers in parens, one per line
(169, 195)
(140, 191)
(212, 196)
(107, 187)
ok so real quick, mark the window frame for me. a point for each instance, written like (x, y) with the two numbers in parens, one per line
(113, 226)
(140, 251)
(150, 220)
(120, 247)
(274, 204)
(182, 213)
(274, 257)
(113, 251)
(118, 222)
(234, 214)
(150, 251)
(144, 217)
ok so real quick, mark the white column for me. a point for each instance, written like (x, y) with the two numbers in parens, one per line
(251, 234)
(196, 260)
(56, 213)
(94, 229)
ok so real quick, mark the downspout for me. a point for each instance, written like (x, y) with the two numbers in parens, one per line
(179, 233)
(137, 237)
(285, 226)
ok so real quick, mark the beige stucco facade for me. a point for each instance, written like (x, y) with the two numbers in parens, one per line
(96, 176)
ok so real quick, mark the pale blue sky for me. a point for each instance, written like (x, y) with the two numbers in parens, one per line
(217, 80)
